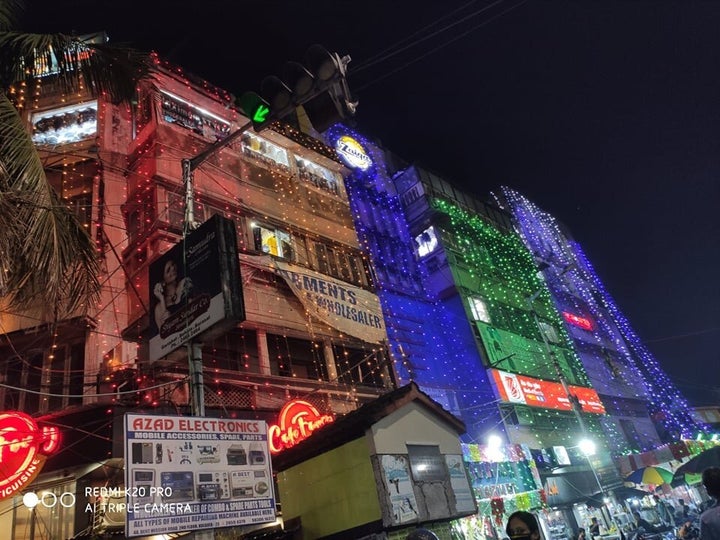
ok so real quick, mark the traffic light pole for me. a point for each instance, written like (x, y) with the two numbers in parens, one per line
(195, 367)
(190, 164)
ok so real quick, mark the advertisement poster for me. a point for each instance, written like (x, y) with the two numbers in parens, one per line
(515, 388)
(464, 498)
(396, 471)
(191, 473)
(352, 310)
(194, 286)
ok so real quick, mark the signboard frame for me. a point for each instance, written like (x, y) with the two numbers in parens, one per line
(207, 295)
(524, 390)
(194, 473)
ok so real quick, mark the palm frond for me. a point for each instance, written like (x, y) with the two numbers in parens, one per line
(48, 258)
(101, 68)
(9, 13)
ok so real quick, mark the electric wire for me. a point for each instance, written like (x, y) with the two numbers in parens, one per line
(457, 37)
(120, 392)
(398, 47)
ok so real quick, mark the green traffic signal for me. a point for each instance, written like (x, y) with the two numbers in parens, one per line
(260, 114)
(256, 109)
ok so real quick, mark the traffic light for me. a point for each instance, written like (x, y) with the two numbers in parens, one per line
(318, 85)
(256, 109)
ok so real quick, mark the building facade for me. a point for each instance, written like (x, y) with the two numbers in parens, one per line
(312, 325)
(644, 408)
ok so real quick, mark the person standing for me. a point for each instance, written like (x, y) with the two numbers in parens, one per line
(594, 528)
(710, 518)
(522, 526)
(663, 511)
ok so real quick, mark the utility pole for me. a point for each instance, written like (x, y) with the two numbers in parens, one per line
(323, 75)
(194, 349)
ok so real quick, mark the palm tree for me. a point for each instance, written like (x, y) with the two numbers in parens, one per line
(47, 258)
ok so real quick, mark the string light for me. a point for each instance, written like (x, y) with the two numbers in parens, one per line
(623, 368)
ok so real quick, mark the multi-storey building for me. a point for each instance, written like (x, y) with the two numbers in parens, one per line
(312, 325)
(644, 408)
(496, 352)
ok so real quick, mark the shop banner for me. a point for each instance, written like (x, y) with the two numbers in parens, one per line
(349, 309)
(192, 473)
(514, 388)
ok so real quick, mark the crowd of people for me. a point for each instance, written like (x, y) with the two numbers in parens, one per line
(684, 521)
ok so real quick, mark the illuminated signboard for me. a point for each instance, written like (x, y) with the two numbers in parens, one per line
(576, 320)
(353, 153)
(23, 447)
(514, 388)
(296, 422)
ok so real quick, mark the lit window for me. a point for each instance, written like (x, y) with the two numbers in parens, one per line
(263, 149)
(317, 175)
(426, 241)
(178, 111)
(479, 309)
(273, 242)
(65, 125)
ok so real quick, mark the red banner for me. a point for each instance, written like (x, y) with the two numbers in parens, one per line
(514, 388)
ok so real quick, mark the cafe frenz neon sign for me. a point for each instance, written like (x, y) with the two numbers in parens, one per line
(23, 448)
(297, 421)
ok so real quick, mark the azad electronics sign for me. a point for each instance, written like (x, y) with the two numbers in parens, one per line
(193, 473)
(514, 388)
(23, 447)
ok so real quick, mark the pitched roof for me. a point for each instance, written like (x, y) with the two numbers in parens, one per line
(355, 424)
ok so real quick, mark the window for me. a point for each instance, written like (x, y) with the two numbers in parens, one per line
(479, 309)
(264, 150)
(63, 367)
(344, 265)
(175, 210)
(81, 205)
(65, 125)
(316, 175)
(299, 358)
(358, 366)
(180, 112)
(272, 241)
(142, 112)
(426, 241)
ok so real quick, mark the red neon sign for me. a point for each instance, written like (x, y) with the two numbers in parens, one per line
(23, 447)
(296, 422)
(580, 322)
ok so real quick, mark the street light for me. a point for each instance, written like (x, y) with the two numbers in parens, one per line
(588, 448)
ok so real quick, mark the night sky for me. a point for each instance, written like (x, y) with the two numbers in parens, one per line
(604, 113)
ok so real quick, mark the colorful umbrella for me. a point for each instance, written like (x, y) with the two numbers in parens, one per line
(650, 475)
